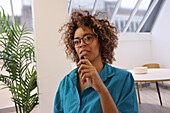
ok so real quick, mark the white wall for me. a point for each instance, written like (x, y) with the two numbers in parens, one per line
(5, 95)
(133, 50)
(161, 37)
(52, 64)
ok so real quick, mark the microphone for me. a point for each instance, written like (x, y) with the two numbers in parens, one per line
(82, 57)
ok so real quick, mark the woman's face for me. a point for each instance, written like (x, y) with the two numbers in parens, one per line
(91, 50)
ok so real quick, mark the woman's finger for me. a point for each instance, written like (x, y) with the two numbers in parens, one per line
(85, 76)
(84, 61)
(82, 67)
(83, 72)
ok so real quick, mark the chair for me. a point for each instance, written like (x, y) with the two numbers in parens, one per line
(151, 65)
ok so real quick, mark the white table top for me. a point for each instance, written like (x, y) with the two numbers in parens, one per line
(161, 74)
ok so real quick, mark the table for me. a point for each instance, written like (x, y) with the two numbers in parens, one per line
(153, 75)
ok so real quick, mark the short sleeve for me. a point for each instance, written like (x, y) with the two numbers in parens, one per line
(58, 106)
(128, 99)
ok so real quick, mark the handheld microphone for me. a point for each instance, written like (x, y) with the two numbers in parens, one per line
(82, 57)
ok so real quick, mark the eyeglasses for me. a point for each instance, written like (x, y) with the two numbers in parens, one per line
(87, 39)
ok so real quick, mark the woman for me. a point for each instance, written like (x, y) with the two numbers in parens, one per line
(94, 86)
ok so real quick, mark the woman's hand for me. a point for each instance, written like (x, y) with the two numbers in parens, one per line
(88, 73)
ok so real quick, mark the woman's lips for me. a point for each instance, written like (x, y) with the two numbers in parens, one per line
(84, 53)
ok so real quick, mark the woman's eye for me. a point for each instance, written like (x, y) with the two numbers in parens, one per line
(76, 41)
(88, 38)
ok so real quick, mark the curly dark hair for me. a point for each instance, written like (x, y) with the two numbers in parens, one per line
(106, 34)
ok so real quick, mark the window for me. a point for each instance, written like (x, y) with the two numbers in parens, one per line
(130, 15)
(21, 9)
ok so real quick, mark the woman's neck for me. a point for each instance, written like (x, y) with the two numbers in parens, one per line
(98, 64)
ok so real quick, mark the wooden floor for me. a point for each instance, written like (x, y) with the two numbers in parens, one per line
(150, 102)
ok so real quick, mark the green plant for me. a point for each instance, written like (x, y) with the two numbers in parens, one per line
(17, 56)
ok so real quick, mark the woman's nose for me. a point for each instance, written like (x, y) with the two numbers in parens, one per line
(82, 44)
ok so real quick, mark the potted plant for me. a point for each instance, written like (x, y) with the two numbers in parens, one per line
(17, 56)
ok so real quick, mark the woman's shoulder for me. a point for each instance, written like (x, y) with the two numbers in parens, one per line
(116, 70)
(121, 73)
(69, 78)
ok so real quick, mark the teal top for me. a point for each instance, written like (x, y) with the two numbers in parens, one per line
(120, 84)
